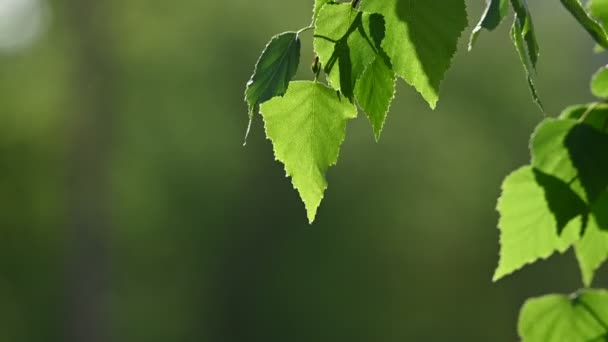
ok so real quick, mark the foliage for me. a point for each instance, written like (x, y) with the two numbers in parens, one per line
(558, 201)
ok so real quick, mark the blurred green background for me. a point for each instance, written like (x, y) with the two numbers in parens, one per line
(129, 211)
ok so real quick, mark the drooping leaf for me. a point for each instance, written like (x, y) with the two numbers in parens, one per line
(518, 36)
(582, 317)
(589, 24)
(275, 68)
(599, 83)
(528, 227)
(421, 38)
(375, 91)
(307, 126)
(523, 19)
(495, 12)
(592, 249)
(345, 41)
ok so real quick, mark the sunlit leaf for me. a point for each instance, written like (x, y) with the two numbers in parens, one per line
(421, 38)
(582, 317)
(528, 225)
(307, 126)
(599, 83)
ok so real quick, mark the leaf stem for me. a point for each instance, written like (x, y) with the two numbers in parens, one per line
(594, 315)
(305, 29)
(577, 300)
(587, 111)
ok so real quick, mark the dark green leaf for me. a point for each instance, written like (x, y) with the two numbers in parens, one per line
(273, 71)
(523, 19)
(518, 37)
(588, 150)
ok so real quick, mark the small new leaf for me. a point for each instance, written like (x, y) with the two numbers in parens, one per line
(599, 83)
(307, 127)
(273, 71)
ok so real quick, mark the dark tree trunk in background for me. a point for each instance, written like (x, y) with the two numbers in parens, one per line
(89, 151)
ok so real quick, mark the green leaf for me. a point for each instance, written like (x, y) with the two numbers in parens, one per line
(318, 5)
(582, 317)
(375, 91)
(589, 24)
(587, 148)
(599, 83)
(523, 19)
(599, 10)
(549, 152)
(307, 126)
(593, 114)
(495, 12)
(519, 39)
(273, 71)
(592, 249)
(573, 152)
(600, 211)
(421, 38)
(528, 226)
(346, 42)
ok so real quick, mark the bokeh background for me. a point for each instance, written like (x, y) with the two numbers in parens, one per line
(130, 211)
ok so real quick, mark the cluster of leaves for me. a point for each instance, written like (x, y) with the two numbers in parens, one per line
(558, 201)
(561, 199)
(362, 49)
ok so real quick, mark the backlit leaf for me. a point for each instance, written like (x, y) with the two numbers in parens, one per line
(582, 317)
(421, 38)
(307, 126)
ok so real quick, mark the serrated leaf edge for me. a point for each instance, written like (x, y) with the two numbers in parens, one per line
(287, 175)
(395, 78)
